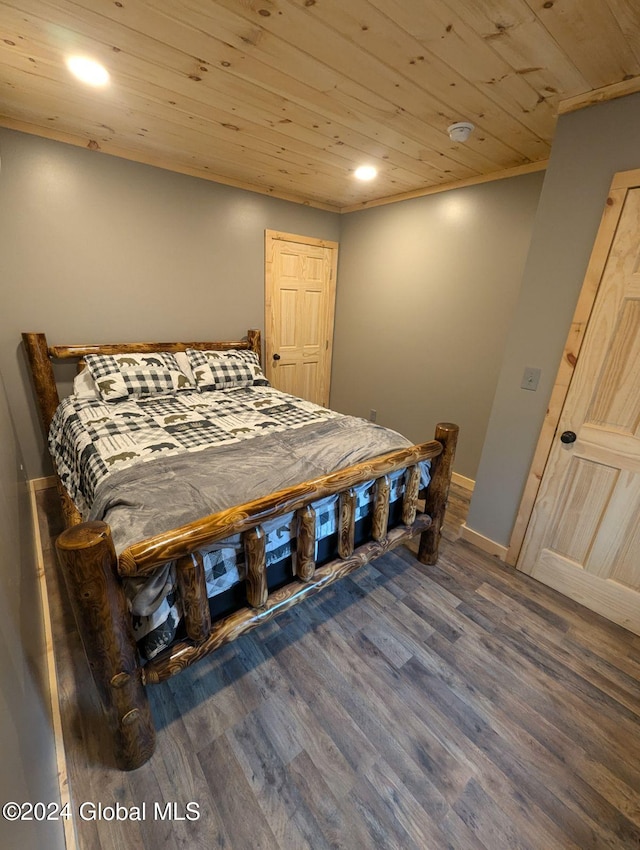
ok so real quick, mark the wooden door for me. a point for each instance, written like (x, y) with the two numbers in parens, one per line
(584, 534)
(300, 294)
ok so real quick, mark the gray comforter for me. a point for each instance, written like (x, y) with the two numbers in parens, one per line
(147, 499)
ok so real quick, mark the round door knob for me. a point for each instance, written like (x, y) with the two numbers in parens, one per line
(568, 437)
(276, 357)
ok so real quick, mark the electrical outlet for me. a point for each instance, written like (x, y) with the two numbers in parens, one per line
(373, 415)
(530, 379)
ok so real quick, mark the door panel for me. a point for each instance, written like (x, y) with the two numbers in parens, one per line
(613, 405)
(287, 378)
(288, 308)
(309, 379)
(588, 489)
(299, 305)
(312, 310)
(584, 534)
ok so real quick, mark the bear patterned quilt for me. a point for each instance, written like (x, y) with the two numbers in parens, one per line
(90, 439)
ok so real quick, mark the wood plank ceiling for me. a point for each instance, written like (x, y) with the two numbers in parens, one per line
(288, 97)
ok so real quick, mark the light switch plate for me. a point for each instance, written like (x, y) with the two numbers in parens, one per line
(530, 378)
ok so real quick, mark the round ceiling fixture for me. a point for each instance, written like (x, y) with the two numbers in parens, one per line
(88, 71)
(365, 172)
(460, 131)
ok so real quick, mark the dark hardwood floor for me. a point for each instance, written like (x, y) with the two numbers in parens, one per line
(460, 706)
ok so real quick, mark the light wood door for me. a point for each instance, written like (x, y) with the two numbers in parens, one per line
(300, 294)
(584, 534)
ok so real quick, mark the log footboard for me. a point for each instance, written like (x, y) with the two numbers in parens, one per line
(183, 654)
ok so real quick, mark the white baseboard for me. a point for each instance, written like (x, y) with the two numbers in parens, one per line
(38, 484)
(70, 836)
(486, 544)
(462, 481)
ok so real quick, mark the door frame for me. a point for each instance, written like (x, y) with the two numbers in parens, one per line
(271, 236)
(621, 183)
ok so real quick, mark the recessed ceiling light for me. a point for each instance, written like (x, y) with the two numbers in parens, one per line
(88, 71)
(365, 172)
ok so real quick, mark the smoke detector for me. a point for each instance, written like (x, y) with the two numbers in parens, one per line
(460, 131)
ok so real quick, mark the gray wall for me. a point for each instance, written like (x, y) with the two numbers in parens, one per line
(589, 147)
(94, 248)
(28, 770)
(426, 291)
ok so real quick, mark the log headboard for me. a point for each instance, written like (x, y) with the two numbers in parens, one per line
(40, 355)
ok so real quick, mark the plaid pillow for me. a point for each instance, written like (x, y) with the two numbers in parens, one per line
(219, 370)
(122, 376)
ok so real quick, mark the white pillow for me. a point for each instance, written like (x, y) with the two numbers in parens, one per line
(185, 365)
(84, 386)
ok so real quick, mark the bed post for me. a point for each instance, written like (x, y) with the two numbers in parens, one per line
(44, 383)
(89, 564)
(438, 492)
(255, 343)
(42, 376)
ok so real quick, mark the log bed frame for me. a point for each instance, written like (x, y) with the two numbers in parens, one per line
(93, 572)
